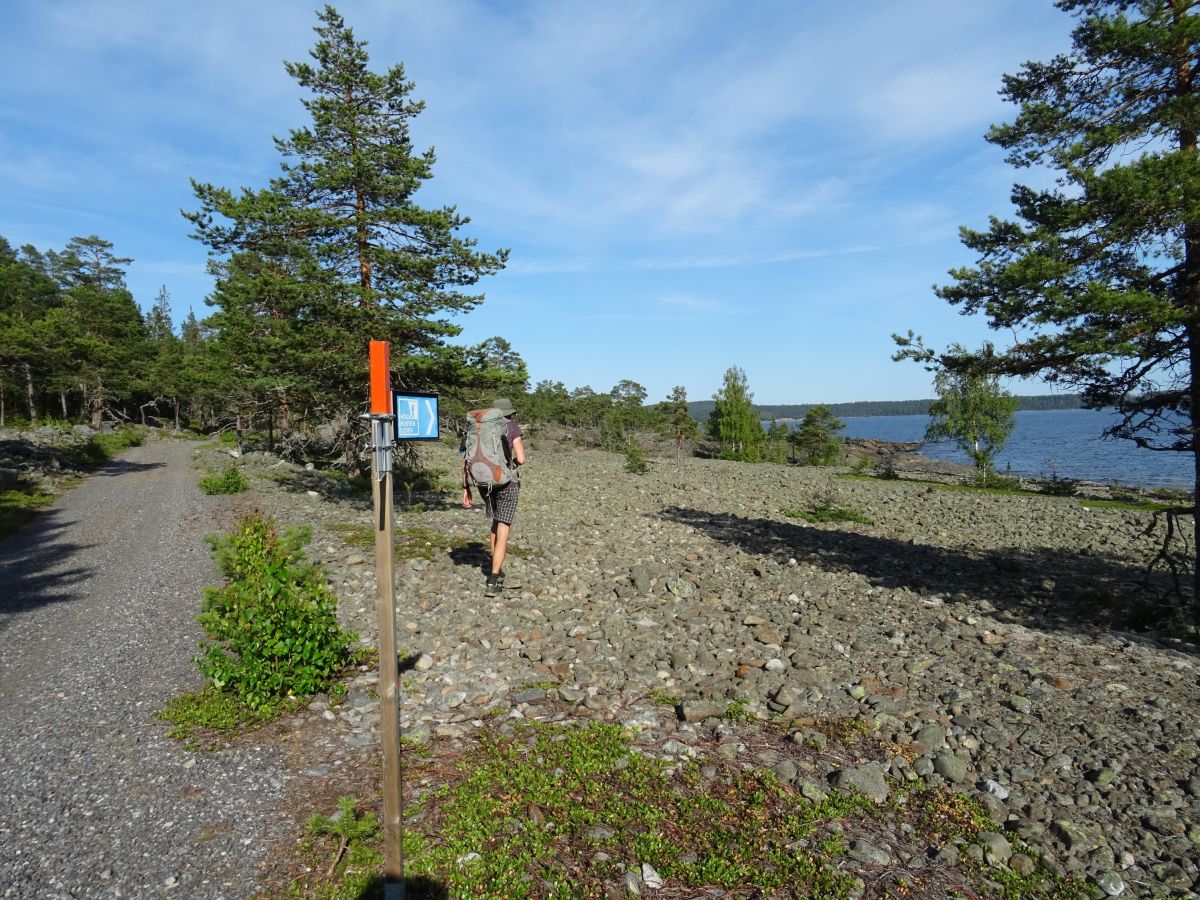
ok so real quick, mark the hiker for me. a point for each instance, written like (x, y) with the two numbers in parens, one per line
(498, 483)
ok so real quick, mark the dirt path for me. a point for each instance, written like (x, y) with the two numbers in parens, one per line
(98, 598)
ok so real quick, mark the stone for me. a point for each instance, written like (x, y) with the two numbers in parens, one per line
(1022, 864)
(866, 779)
(865, 852)
(996, 789)
(650, 877)
(930, 738)
(997, 849)
(785, 770)
(1111, 883)
(950, 767)
(699, 710)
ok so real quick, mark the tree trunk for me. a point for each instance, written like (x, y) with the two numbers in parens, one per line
(97, 411)
(62, 401)
(175, 404)
(29, 395)
(1189, 295)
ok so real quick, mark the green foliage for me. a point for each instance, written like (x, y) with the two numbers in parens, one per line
(974, 412)
(349, 825)
(1058, 487)
(272, 624)
(733, 423)
(635, 460)
(100, 448)
(815, 441)
(19, 505)
(502, 829)
(825, 513)
(677, 420)
(200, 716)
(230, 481)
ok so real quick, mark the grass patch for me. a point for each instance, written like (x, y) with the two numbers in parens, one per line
(202, 717)
(19, 505)
(1139, 505)
(824, 513)
(533, 810)
(100, 448)
(417, 542)
(230, 481)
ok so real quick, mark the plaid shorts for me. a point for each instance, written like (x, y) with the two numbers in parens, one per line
(501, 502)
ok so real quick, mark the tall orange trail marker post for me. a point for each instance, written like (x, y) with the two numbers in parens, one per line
(383, 439)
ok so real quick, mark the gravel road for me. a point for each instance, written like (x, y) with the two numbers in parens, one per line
(98, 598)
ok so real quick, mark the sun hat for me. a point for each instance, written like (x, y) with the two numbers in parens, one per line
(504, 405)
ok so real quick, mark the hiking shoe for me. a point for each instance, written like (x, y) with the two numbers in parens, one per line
(495, 584)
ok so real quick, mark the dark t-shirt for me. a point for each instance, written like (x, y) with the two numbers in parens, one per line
(511, 433)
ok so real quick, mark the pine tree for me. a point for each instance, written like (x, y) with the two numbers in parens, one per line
(27, 296)
(816, 440)
(98, 328)
(675, 410)
(1098, 279)
(336, 250)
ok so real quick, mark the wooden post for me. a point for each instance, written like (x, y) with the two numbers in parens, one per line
(382, 438)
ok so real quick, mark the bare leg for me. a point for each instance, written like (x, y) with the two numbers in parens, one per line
(499, 544)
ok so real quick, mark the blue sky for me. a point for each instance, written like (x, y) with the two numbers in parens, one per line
(684, 186)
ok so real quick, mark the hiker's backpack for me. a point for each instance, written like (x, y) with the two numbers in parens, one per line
(483, 448)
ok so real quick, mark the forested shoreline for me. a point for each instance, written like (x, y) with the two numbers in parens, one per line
(700, 409)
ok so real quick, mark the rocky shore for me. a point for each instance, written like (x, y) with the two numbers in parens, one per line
(972, 631)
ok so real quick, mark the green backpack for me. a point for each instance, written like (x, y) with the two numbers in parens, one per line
(483, 449)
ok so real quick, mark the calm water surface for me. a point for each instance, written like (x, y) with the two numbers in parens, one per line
(1066, 442)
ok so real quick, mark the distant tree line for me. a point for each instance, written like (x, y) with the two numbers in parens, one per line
(702, 409)
(611, 418)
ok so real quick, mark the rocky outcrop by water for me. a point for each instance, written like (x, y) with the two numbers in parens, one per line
(984, 636)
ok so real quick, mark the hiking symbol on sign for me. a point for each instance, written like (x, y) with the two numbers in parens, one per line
(416, 417)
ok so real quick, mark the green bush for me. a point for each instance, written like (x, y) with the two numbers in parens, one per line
(273, 625)
(635, 460)
(100, 448)
(231, 481)
(827, 513)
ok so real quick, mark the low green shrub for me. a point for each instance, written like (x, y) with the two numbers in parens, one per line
(273, 624)
(825, 513)
(1057, 487)
(100, 448)
(635, 460)
(207, 714)
(231, 481)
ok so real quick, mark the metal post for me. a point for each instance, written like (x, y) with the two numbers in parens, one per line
(382, 442)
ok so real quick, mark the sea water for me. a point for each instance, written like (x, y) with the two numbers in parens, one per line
(1066, 443)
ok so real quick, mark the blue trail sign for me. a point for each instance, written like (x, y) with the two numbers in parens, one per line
(416, 417)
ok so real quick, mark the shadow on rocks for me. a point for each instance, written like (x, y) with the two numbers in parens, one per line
(1043, 587)
(31, 568)
(475, 554)
(415, 888)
